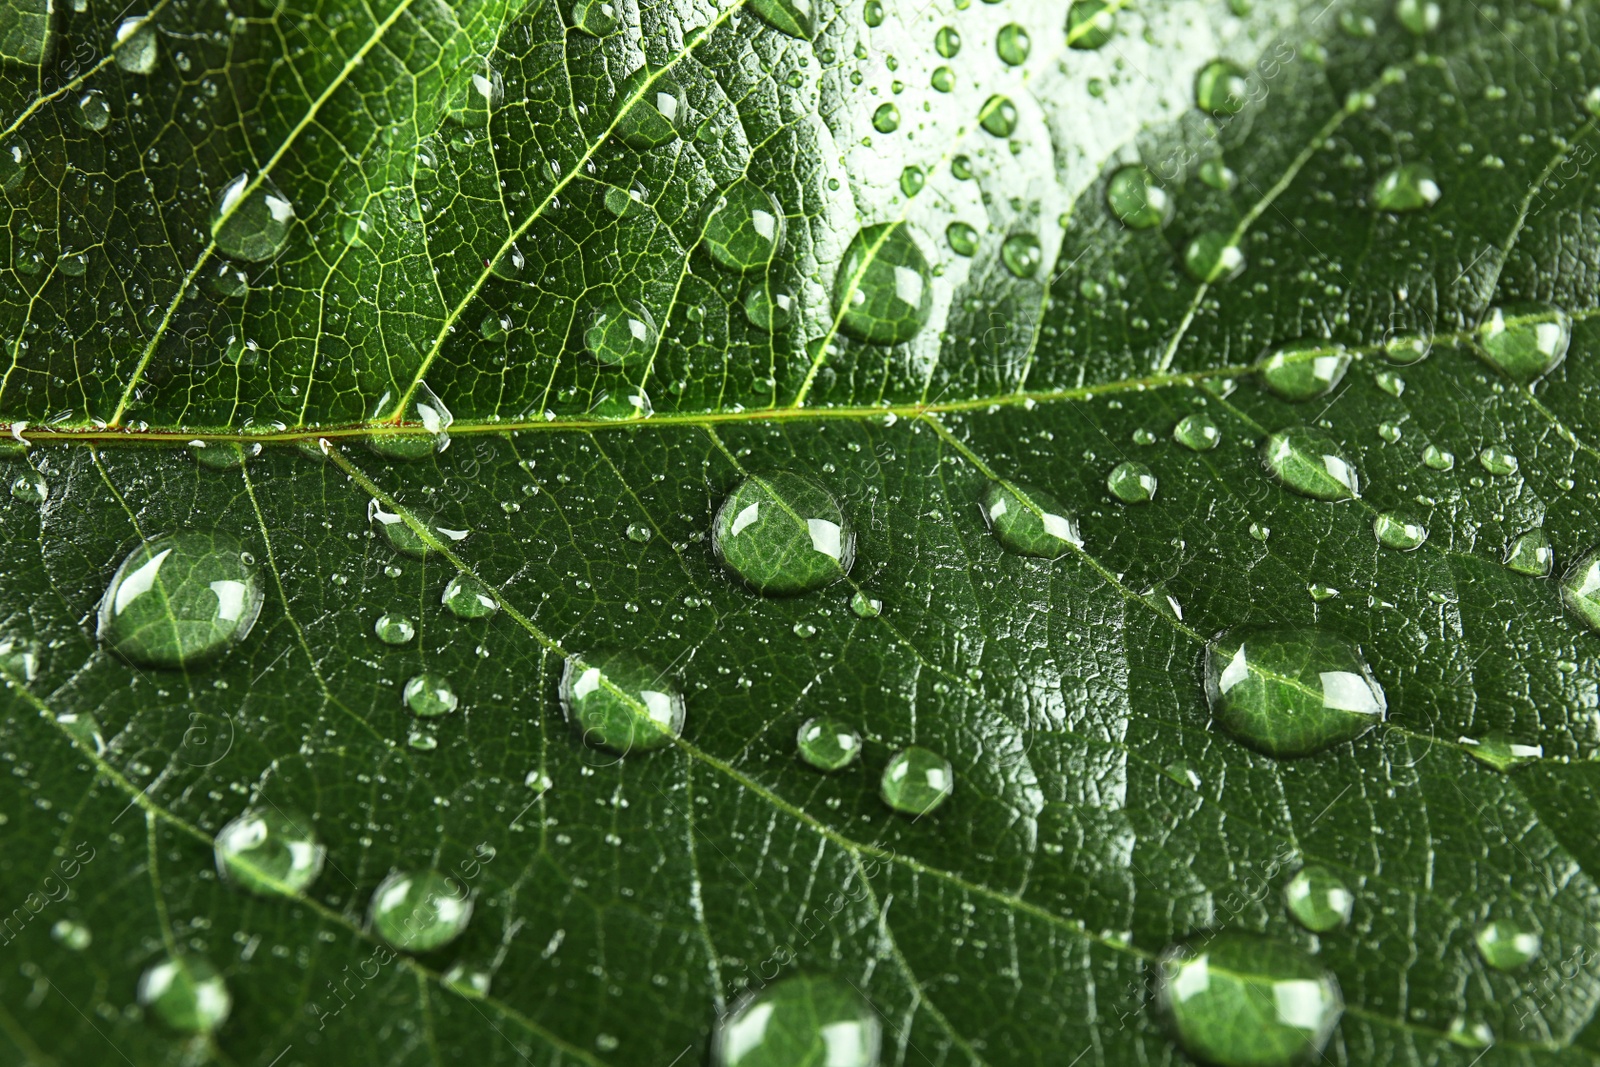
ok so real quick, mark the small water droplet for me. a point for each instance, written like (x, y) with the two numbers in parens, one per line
(803, 1019)
(744, 228)
(620, 703)
(82, 727)
(1580, 589)
(1531, 554)
(430, 695)
(1213, 256)
(467, 598)
(1390, 383)
(137, 47)
(268, 851)
(1260, 532)
(92, 110)
(1525, 341)
(947, 42)
(865, 606)
(1028, 521)
(998, 116)
(251, 219)
(1302, 370)
(1135, 197)
(827, 744)
(962, 238)
(30, 487)
(1398, 531)
(1197, 432)
(943, 79)
(653, 118)
(597, 18)
(1421, 17)
(1500, 752)
(912, 180)
(1318, 899)
(1497, 461)
(1132, 483)
(1021, 254)
(1310, 463)
(1220, 88)
(1408, 187)
(770, 311)
(473, 93)
(1240, 1000)
(418, 912)
(180, 599)
(1507, 945)
(883, 291)
(1407, 348)
(916, 781)
(1291, 692)
(71, 935)
(1436, 458)
(797, 18)
(620, 335)
(1320, 592)
(886, 118)
(394, 629)
(1090, 23)
(783, 534)
(1012, 45)
(424, 427)
(186, 993)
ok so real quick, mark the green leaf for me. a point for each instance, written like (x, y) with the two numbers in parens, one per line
(448, 330)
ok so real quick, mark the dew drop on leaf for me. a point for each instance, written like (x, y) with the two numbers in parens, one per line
(1318, 899)
(1197, 432)
(1525, 341)
(620, 335)
(1507, 945)
(827, 744)
(768, 310)
(1027, 521)
(804, 1019)
(656, 116)
(962, 238)
(1437, 459)
(1500, 752)
(1580, 590)
(912, 179)
(1420, 17)
(1407, 348)
(1012, 45)
(1291, 692)
(1220, 88)
(92, 110)
(136, 46)
(418, 912)
(597, 18)
(1132, 483)
(180, 599)
(19, 657)
(467, 598)
(71, 935)
(429, 695)
(744, 228)
(1090, 23)
(883, 292)
(947, 42)
(916, 781)
(796, 18)
(864, 606)
(1497, 461)
(251, 219)
(406, 540)
(423, 429)
(1398, 531)
(30, 487)
(1224, 998)
(467, 981)
(1213, 256)
(943, 79)
(1137, 199)
(783, 534)
(223, 455)
(394, 629)
(1408, 187)
(1311, 463)
(1302, 370)
(269, 852)
(473, 93)
(1530, 553)
(1021, 254)
(998, 116)
(622, 704)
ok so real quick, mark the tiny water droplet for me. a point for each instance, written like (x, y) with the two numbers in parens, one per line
(597, 18)
(655, 117)
(92, 110)
(744, 228)
(1213, 257)
(1531, 554)
(1525, 341)
(1407, 348)
(269, 852)
(770, 311)
(430, 695)
(916, 781)
(783, 534)
(827, 744)
(1497, 461)
(621, 335)
(418, 912)
(1012, 45)
(186, 993)
(1291, 692)
(1436, 458)
(30, 487)
(180, 599)
(1402, 533)
(947, 42)
(473, 93)
(1028, 521)
(1135, 197)
(943, 79)
(998, 116)
(803, 1019)
(82, 727)
(1310, 463)
(797, 18)
(1390, 383)
(424, 426)
(1220, 88)
(864, 606)
(805, 630)
(962, 238)
(1318, 899)
(393, 629)
(1408, 187)
(1420, 17)
(251, 219)
(1090, 23)
(1507, 945)
(137, 47)
(620, 703)
(883, 291)
(1302, 370)
(1500, 752)
(467, 598)
(403, 538)
(71, 935)
(1580, 589)
(1132, 483)
(1021, 254)
(1197, 432)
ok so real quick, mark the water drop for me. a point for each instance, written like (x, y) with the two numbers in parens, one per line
(597, 18)
(947, 42)
(1291, 692)
(422, 740)
(794, 17)
(744, 228)
(770, 311)
(1421, 17)
(1436, 458)
(638, 533)
(886, 118)
(1220, 88)
(71, 935)
(30, 487)
(180, 599)
(654, 118)
(1239, 1000)
(1531, 554)
(943, 79)
(82, 727)
(864, 606)
(962, 238)
(620, 335)
(1012, 45)
(804, 1019)
(136, 46)
(467, 981)
(268, 852)
(1028, 521)
(467, 598)
(1500, 752)
(1497, 461)
(419, 912)
(403, 538)
(19, 657)
(473, 93)
(1390, 383)
(1580, 589)
(1310, 463)
(1400, 532)
(827, 744)
(1506, 945)
(621, 704)
(1132, 483)
(424, 427)
(1302, 370)
(1021, 254)
(916, 781)
(251, 219)
(429, 695)
(1090, 23)
(1135, 197)
(1408, 187)
(14, 156)
(1525, 341)
(223, 455)
(1197, 432)
(1213, 256)
(999, 116)
(1318, 899)
(783, 534)
(186, 993)
(92, 110)
(883, 292)
(912, 179)
(1407, 348)
(394, 629)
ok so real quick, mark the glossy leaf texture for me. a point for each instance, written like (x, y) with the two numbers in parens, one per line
(555, 408)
